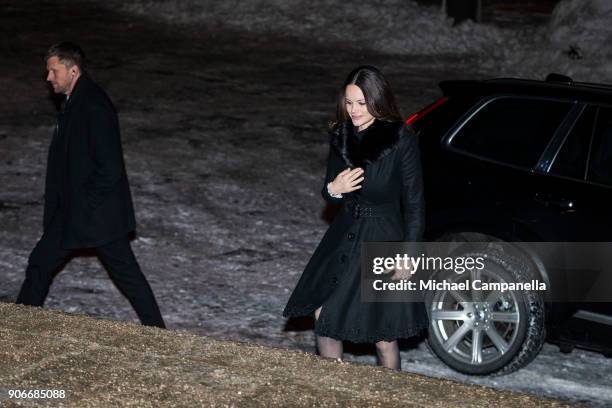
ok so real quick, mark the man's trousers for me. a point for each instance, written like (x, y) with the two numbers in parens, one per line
(47, 256)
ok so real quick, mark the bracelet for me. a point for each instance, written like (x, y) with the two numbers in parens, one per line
(337, 195)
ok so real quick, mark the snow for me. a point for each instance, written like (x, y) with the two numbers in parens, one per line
(574, 42)
(393, 26)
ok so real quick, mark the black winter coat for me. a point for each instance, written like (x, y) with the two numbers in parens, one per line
(86, 183)
(393, 186)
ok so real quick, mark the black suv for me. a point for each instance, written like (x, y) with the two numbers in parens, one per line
(507, 161)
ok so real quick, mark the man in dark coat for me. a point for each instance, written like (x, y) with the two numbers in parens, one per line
(87, 197)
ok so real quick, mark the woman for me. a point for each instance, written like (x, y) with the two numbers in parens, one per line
(374, 172)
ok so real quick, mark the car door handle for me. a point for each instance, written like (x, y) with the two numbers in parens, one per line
(562, 203)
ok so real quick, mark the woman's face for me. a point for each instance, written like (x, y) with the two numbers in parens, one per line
(356, 107)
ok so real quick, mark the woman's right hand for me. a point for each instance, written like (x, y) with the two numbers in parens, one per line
(346, 181)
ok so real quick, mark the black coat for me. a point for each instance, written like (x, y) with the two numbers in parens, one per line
(86, 183)
(393, 185)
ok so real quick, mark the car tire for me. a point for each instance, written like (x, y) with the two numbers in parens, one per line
(500, 335)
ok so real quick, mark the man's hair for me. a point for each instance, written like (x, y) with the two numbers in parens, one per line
(68, 53)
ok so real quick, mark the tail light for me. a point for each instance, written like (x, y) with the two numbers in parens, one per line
(420, 114)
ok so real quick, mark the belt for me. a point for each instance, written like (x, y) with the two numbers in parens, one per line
(358, 210)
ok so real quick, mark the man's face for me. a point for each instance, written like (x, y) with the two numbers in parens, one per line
(60, 76)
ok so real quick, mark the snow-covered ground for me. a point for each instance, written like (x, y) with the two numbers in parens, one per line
(224, 137)
(575, 42)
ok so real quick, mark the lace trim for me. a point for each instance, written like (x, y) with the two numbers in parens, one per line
(336, 195)
(354, 335)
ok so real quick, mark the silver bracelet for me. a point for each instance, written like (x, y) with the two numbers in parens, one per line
(337, 195)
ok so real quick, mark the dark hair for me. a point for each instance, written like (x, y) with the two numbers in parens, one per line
(377, 92)
(68, 53)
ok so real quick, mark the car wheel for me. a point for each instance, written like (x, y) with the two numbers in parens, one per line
(487, 332)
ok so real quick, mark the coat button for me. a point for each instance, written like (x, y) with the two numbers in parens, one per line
(350, 235)
(343, 259)
(335, 281)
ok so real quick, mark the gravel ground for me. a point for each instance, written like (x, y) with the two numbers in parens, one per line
(225, 145)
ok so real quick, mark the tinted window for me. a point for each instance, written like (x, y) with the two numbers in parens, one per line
(600, 164)
(512, 130)
(571, 160)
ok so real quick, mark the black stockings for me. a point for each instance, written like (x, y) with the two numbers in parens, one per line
(326, 346)
(387, 351)
(388, 354)
(329, 347)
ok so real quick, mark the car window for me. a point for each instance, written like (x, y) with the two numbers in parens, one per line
(512, 130)
(600, 162)
(572, 157)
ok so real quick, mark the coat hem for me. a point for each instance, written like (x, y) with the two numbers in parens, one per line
(354, 335)
(96, 244)
(299, 311)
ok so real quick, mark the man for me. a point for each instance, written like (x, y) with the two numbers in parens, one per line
(87, 197)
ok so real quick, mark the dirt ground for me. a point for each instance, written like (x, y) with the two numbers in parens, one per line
(102, 363)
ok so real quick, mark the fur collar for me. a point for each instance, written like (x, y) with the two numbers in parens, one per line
(377, 141)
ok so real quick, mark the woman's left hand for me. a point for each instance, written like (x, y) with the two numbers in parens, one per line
(403, 273)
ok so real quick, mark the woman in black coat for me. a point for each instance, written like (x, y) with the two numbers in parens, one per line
(374, 173)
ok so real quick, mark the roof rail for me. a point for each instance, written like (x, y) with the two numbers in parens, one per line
(594, 85)
(554, 77)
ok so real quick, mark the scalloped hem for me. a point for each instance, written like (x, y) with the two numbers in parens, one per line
(354, 335)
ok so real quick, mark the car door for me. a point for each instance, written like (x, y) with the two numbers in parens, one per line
(580, 189)
(499, 144)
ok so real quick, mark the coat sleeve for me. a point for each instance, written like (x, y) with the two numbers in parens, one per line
(334, 166)
(413, 201)
(52, 184)
(50, 208)
(106, 152)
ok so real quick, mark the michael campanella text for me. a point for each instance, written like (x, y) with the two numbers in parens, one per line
(433, 284)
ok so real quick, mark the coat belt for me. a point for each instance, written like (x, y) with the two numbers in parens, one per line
(358, 210)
